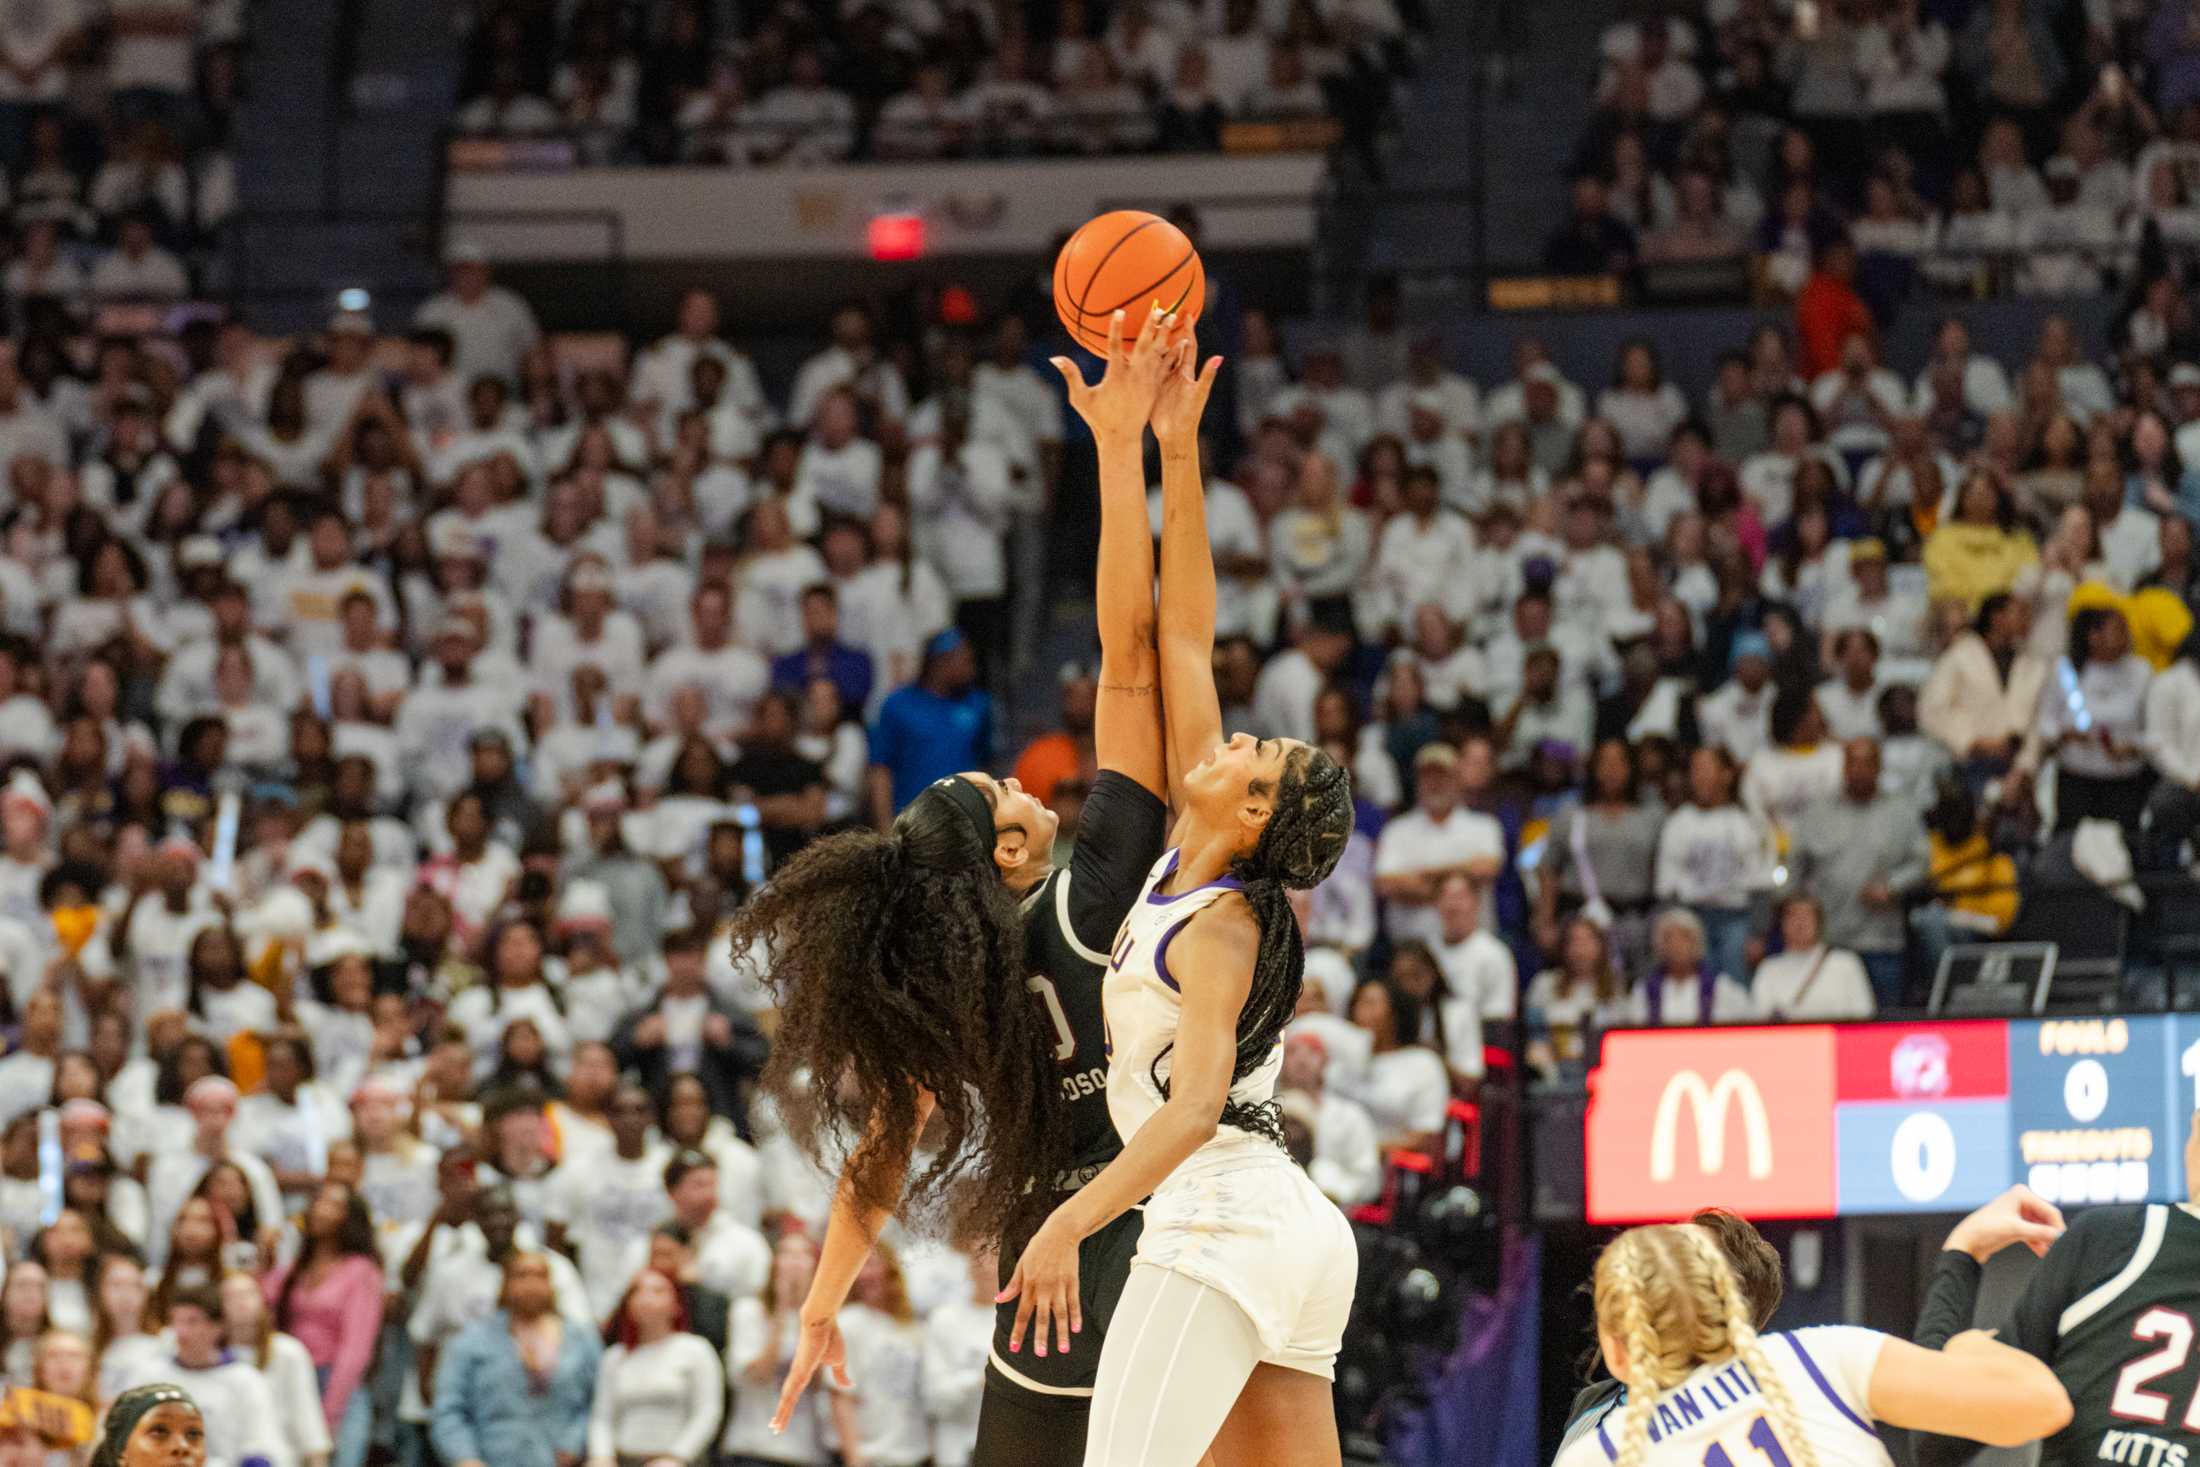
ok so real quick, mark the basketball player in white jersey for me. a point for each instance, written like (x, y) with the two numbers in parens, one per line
(1228, 1330)
(1705, 1390)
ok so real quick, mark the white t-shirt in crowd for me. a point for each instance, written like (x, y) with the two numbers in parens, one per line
(1413, 842)
(958, 1339)
(158, 966)
(490, 335)
(605, 1206)
(662, 1399)
(1406, 1091)
(1712, 858)
(26, 1083)
(1819, 983)
(1480, 971)
(731, 678)
(886, 1362)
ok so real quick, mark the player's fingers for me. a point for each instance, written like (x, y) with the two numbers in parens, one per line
(2039, 1208)
(1072, 378)
(1207, 373)
(1115, 339)
(1014, 1287)
(1023, 1318)
(1042, 1320)
(798, 1380)
(1181, 357)
(841, 1377)
(2038, 1237)
(1161, 333)
(1152, 338)
(1061, 1319)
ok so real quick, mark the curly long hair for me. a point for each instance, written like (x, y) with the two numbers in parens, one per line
(898, 962)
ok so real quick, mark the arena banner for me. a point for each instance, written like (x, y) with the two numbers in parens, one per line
(1822, 1120)
(528, 216)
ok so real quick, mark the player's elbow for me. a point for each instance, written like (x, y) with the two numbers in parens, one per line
(1198, 1114)
(2049, 1409)
(1140, 627)
(2037, 1407)
(1185, 648)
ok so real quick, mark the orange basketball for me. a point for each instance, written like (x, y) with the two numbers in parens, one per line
(1126, 261)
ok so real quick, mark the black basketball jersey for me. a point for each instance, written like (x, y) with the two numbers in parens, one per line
(1070, 922)
(2113, 1310)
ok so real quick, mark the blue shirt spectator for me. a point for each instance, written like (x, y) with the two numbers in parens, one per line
(823, 654)
(514, 1388)
(941, 724)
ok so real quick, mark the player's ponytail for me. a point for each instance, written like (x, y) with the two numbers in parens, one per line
(897, 962)
(1668, 1295)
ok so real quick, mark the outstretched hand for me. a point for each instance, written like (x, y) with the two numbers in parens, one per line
(1119, 405)
(820, 1344)
(1182, 400)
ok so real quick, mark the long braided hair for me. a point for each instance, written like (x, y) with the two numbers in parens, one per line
(1670, 1297)
(1307, 828)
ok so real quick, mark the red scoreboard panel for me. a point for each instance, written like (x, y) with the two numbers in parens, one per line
(1819, 1120)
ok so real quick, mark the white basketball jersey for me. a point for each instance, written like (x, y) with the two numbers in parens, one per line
(1718, 1417)
(1143, 1006)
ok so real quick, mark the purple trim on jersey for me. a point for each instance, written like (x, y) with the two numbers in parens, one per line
(1220, 883)
(1818, 1378)
(1153, 887)
(1604, 1441)
(1161, 955)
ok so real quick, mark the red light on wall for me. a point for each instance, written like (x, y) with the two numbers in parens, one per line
(896, 236)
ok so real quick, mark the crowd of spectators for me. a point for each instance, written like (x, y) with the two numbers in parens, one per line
(1672, 707)
(2043, 146)
(389, 724)
(116, 161)
(697, 81)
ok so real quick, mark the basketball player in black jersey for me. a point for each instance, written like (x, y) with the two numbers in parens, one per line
(1037, 1397)
(2114, 1311)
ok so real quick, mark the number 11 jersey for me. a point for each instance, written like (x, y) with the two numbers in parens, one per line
(1719, 1416)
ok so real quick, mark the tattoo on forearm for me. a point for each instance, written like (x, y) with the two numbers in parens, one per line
(1139, 689)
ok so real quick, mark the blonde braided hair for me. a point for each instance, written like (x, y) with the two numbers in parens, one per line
(1669, 1297)
(1787, 1422)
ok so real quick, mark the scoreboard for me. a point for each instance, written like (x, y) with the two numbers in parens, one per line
(1822, 1120)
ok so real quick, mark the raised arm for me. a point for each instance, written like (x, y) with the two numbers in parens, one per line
(1127, 713)
(1187, 618)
